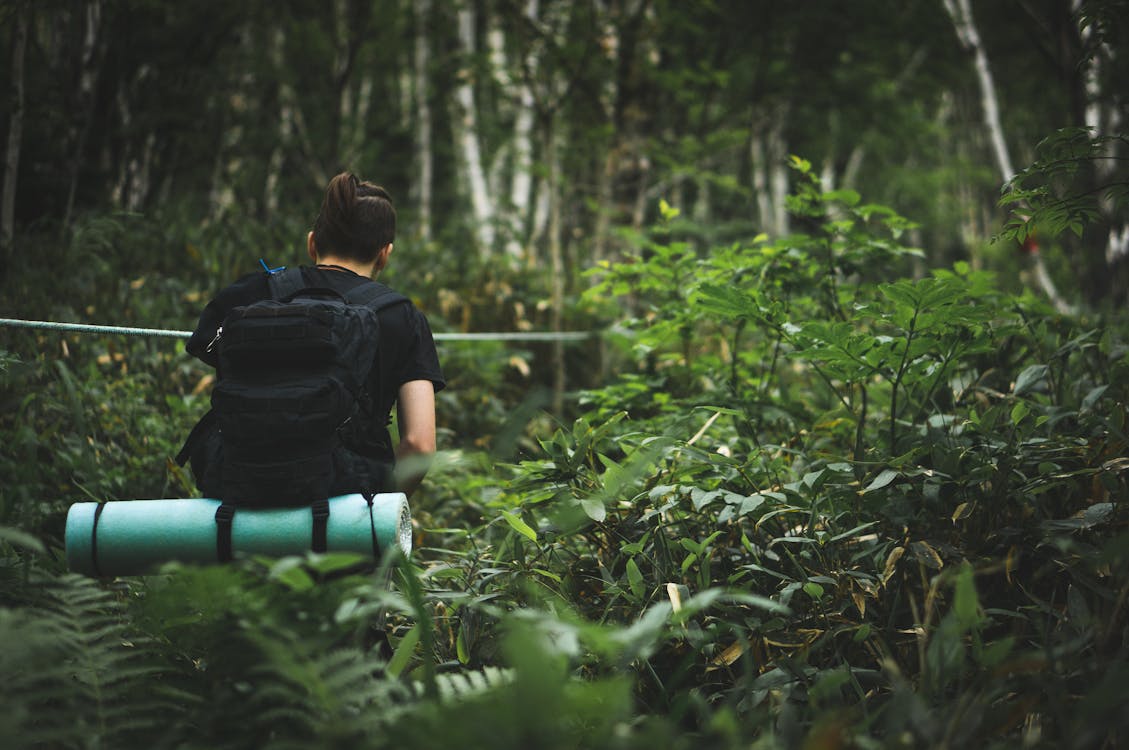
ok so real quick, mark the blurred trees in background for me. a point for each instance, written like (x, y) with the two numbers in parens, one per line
(524, 134)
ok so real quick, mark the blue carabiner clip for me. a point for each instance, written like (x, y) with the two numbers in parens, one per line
(268, 269)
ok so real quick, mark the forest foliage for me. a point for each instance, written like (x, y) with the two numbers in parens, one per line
(835, 470)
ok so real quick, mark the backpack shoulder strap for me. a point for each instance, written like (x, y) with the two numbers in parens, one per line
(285, 283)
(374, 295)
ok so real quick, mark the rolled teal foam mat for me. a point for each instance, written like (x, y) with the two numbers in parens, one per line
(136, 536)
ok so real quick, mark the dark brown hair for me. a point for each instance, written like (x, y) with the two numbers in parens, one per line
(356, 219)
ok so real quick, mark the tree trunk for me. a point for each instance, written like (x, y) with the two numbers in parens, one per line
(291, 109)
(768, 154)
(350, 20)
(276, 50)
(960, 11)
(521, 168)
(91, 61)
(556, 261)
(1103, 120)
(466, 134)
(15, 139)
(425, 156)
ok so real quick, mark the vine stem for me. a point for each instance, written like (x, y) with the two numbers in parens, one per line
(898, 382)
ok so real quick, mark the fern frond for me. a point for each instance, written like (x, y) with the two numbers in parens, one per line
(472, 683)
(69, 654)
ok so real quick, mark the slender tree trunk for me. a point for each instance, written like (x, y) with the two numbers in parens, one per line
(15, 139)
(466, 129)
(521, 168)
(276, 42)
(768, 154)
(91, 61)
(425, 156)
(350, 20)
(960, 11)
(1103, 120)
(556, 261)
(291, 110)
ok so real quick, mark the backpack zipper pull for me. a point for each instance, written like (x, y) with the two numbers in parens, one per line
(212, 345)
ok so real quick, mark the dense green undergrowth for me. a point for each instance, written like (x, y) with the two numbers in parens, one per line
(824, 504)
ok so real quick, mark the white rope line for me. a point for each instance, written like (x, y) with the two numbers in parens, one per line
(166, 333)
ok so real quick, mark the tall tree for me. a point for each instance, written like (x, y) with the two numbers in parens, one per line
(424, 153)
(15, 137)
(965, 25)
(467, 130)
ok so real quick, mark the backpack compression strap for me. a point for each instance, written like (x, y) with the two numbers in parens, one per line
(286, 282)
(374, 295)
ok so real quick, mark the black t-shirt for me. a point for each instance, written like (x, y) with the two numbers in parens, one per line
(406, 352)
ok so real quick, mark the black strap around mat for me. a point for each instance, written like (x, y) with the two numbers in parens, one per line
(224, 515)
(319, 542)
(94, 539)
(369, 497)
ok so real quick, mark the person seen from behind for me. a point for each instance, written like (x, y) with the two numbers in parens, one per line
(350, 244)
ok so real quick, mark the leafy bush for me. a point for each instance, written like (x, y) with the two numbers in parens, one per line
(823, 504)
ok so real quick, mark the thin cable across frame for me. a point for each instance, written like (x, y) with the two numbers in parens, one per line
(168, 333)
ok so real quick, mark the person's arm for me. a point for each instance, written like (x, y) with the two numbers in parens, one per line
(415, 408)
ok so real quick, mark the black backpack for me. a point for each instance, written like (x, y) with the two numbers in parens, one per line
(291, 377)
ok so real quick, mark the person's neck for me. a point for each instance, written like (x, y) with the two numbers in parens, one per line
(347, 264)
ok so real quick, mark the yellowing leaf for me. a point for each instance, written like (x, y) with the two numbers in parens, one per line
(892, 562)
(675, 596)
(964, 510)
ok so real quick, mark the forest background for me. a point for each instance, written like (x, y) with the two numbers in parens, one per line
(842, 465)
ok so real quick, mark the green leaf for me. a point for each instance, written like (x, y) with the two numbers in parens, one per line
(814, 590)
(635, 578)
(517, 524)
(403, 652)
(461, 648)
(883, 479)
(18, 538)
(966, 604)
(594, 508)
(289, 571)
(669, 213)
(1029, 378)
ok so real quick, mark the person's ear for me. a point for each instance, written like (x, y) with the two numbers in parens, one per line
(311, 248)
(382, 256)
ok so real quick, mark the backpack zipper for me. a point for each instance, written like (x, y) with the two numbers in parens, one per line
(212, 345)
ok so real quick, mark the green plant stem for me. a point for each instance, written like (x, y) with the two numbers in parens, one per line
(898, 383)
(860, 427)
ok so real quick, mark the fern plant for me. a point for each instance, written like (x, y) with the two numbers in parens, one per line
(75, 674)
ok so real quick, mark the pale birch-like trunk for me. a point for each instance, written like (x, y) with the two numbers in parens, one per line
(768, 154)
(15, 140)
(639, 212)
(519, 91)
(960, 11)
(1103, 120)
(132, 185)
(556, 263)
(276, 50)
(355, 106)
(297, 133)
(425, 156)
(466, 135)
